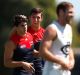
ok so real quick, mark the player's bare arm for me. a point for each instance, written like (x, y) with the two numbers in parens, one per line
(8, 62)
(8, 54)
(49, 36)
(71, 58)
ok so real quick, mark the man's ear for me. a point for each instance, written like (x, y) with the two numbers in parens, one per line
(61, 12)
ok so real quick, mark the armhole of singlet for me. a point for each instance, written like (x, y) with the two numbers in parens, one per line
(54, 27)
(55, 36)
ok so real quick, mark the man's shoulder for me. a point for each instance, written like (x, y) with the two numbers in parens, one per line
(68, 26)
(15, 38)
(29, 34)
(52, 25)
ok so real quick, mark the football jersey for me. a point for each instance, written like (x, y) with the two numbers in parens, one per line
(23, 52)
(60, 48)
(37, 35)
(23, 41)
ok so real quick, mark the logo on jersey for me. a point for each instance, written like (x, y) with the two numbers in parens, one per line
(23, 46)
(65, 49)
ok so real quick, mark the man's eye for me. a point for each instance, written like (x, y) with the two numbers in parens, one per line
(38, 17)
(23, 25)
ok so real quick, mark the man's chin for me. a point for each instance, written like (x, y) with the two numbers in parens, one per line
(25, 31)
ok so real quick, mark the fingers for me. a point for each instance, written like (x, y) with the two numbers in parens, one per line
(31, 64)
(32, 69)
(28, 67)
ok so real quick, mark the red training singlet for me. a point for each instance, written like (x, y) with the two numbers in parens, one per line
(23, 41)
(37, 35)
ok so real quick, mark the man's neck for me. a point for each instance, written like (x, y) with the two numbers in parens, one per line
(62, 23)
(20, 34)
(35, 28)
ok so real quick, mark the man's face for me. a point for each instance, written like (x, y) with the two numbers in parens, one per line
(22, 28)
(36, 19)
(68, 15)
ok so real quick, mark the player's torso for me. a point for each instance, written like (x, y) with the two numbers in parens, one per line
(37, 35)
(23, 51)
(63, 41)
(60, 46)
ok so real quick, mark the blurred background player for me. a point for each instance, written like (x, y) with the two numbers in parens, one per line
(56, 44)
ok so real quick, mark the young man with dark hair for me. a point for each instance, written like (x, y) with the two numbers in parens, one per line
(18, 49)
(36, 17)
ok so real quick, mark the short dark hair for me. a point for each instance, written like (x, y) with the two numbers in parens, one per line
(20, 18)
(36, 10)
(63, 6)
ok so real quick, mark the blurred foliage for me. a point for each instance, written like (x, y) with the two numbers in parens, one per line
(9, 8)
(78, 28)
(76, 35)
